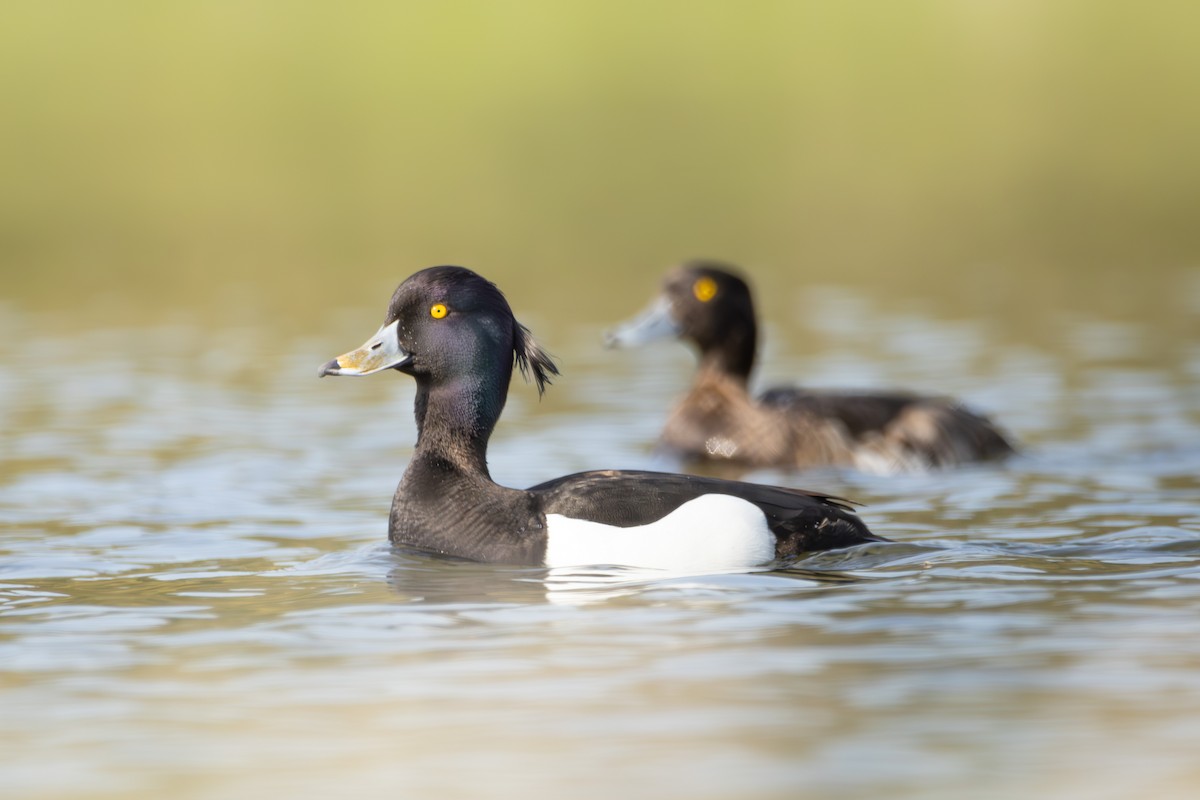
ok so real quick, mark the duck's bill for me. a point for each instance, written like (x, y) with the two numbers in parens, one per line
(382, 351)
(656, 322)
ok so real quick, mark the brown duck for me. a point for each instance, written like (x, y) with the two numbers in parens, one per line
(709, 306)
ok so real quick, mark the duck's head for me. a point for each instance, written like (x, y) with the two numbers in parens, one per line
(702, 302)
(445, 324)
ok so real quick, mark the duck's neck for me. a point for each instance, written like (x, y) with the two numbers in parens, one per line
(455, 421)
(731, 355)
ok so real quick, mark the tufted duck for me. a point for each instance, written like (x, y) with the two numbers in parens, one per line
(454, 333)
(708, 305)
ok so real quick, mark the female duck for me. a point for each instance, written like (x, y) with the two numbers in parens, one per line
(709, 306)
(454, 333)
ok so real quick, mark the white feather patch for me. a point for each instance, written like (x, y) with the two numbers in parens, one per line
(711, 532)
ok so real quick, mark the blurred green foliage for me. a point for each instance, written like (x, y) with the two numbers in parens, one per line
(175, 154)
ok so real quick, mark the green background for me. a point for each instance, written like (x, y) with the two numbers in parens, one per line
(267, 159)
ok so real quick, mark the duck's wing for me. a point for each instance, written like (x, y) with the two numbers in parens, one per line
(936, 431)
(860, 412)
(946, 433)
(800, 519)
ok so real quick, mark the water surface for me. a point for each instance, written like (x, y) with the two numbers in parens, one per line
(196, 597)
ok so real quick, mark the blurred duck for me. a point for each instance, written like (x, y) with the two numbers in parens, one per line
(709, 306)
(454, 333)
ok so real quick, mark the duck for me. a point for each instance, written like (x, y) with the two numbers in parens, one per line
(708, 305)
(455, 334)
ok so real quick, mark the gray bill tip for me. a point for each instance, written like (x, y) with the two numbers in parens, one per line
(656, 322)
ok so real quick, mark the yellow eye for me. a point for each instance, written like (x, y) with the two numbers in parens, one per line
(438, 310)
(705, 289)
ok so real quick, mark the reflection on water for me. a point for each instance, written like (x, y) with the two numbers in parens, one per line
(196, 597)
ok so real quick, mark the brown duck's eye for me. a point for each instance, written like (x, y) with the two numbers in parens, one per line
(705, 289)
(438, 310)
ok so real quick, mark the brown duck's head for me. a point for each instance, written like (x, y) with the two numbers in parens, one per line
(705, 303)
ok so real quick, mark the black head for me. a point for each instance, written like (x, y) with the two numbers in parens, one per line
(454, 332)
(705, 303)
(445, 324)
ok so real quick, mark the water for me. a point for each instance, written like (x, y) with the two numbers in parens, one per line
(196, 598)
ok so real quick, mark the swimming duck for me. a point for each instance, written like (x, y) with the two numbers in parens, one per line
(454, 333)
(709, 306)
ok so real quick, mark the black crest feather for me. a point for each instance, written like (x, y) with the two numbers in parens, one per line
(530, 357)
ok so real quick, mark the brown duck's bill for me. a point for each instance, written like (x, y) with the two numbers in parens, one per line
(382, 351)
(656, 322)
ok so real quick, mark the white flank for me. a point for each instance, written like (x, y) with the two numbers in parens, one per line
(712, 532)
